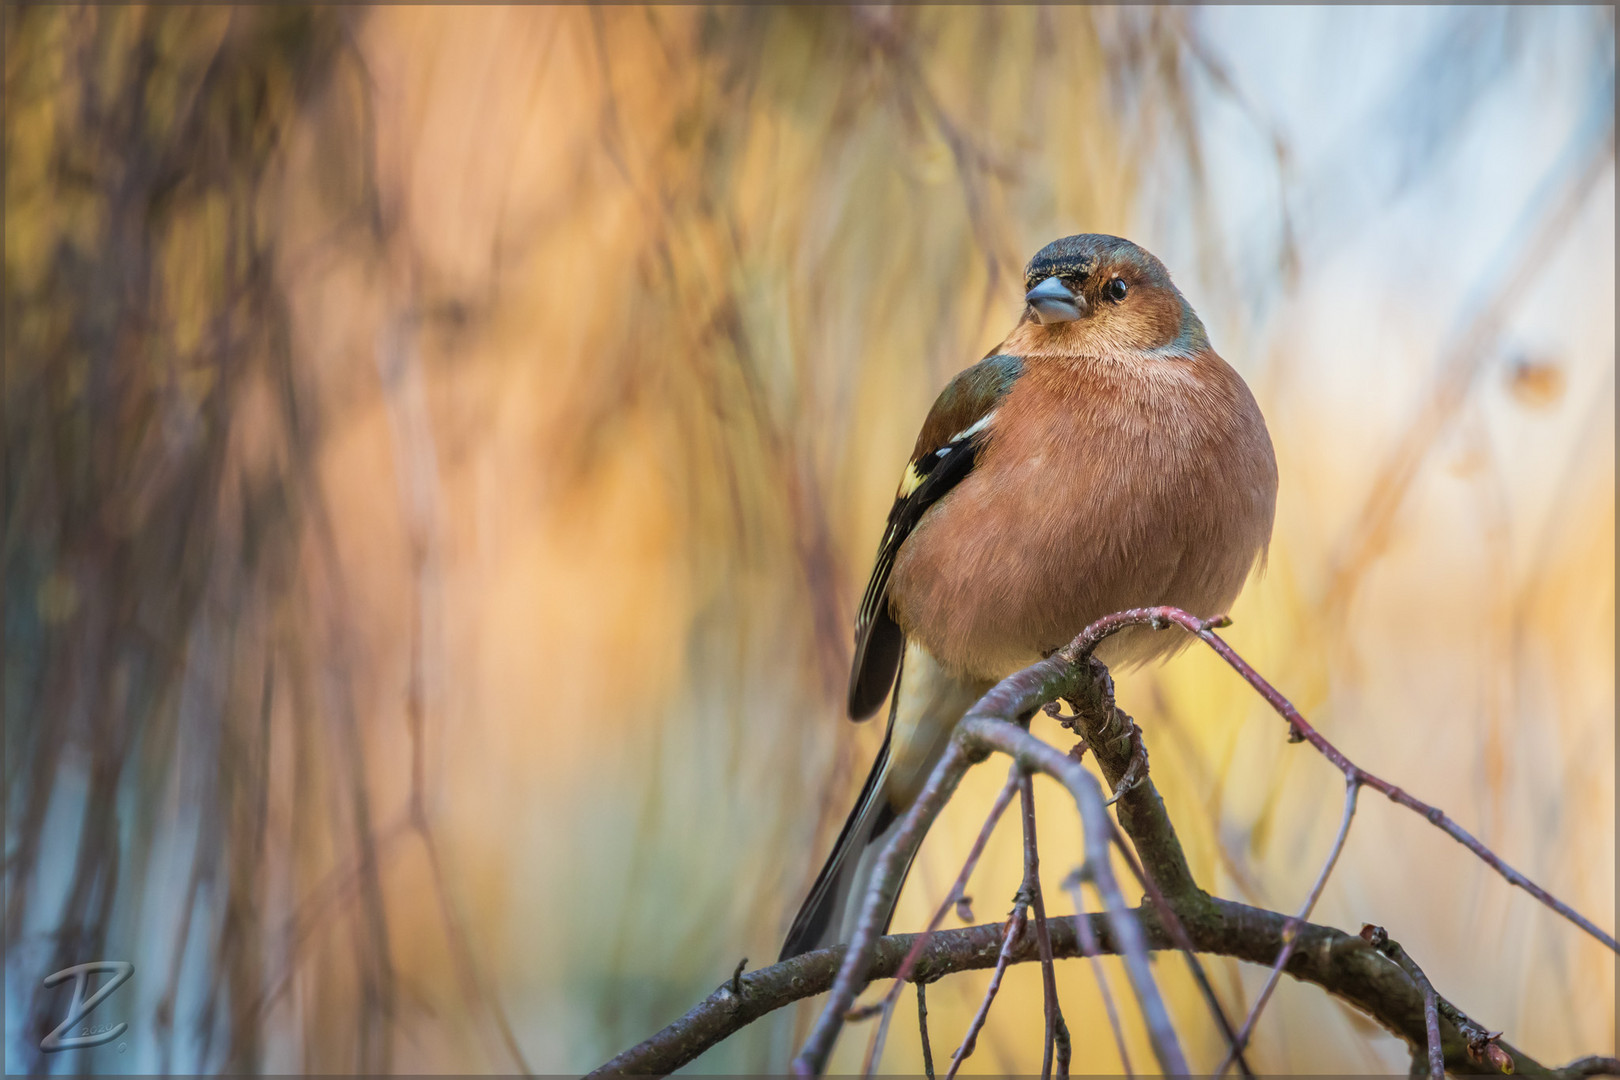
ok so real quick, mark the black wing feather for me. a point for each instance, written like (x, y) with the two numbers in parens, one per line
(878, 640)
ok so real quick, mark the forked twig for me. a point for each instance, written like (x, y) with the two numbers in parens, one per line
(1482, 1044)
(1035, 755)
(1431, 1027)
(1063, 1049)
(1431, 1000)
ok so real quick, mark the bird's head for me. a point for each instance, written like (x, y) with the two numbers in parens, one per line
(1101, 294)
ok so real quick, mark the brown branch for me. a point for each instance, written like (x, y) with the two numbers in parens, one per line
(1178, 934)
(1347, 967)
(1017, 695)
(1342, 964)
(1063, 1049)
(1431, 1001)
(880, 898)
(981, 731)
(1481, 1043)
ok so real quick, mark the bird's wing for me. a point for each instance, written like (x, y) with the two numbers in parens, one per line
(946, 451)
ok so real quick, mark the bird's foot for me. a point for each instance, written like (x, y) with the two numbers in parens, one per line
(1136, 769)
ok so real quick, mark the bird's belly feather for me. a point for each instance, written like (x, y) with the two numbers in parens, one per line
(1016, 564)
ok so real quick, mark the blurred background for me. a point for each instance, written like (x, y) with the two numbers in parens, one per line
(444, 447)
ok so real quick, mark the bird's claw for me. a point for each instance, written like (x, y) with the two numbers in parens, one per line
(1135, 770)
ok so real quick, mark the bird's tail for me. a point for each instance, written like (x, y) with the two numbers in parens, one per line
(848, 870)
(926, 706)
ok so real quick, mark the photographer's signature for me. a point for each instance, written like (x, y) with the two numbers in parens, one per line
(63, 1036)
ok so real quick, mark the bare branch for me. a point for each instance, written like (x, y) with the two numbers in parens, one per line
(885, 886)
(1350, 968)
(1063, 1049)
(1482, 1045)
(980, 731)
(1344, 965)
(1178, 934)
(1017, 695)
(1161, 617)
(1123, 760)
(1431, 1022)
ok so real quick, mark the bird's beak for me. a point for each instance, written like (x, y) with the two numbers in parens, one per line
(1054, 303)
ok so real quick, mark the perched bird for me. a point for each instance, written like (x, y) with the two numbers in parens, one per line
(1102, 457)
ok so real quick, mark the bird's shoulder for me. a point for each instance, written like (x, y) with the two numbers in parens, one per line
(967, 400)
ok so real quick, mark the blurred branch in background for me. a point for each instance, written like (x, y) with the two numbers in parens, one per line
(439, 444)
(159, 454)
(1569, 186)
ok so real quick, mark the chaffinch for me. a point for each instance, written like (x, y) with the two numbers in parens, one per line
(1102, 457)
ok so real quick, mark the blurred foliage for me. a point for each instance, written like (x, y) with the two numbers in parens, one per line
(443, 446)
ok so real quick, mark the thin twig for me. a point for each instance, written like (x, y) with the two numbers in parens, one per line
(1125, 766)
(1291, 930)
(812, 1057)
(1015, 930)
(988, 727)
(922, 1030)
(1064, 1048)
(1431, 1027)
(1342, 964)
(1482, 1044)
(1088, 946)
(1043, 939)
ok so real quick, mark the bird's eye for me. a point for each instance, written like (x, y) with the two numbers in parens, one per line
(1115, 290)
